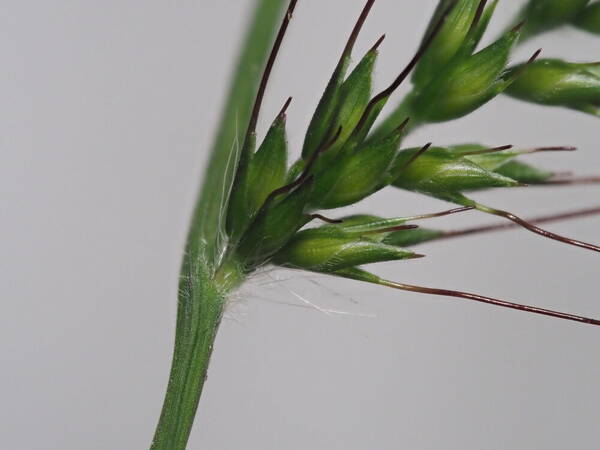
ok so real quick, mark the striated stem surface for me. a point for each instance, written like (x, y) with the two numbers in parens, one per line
(205, 281)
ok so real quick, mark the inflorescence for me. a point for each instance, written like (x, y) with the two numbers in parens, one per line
(346, 157)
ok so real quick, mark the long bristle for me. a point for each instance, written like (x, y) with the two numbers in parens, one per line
(269, 68)
(533, 228)
(356, 30)
(325, 219)
(572, 181)
(478, 14)
(416, 156)
(489, 301)
(569, 215)
(442, 213)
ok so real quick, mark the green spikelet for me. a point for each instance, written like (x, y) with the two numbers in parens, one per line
(589, 18)
(559, 83)
(544, 15)
(466, 84)
(448, 41)
(263, 173)
(439, 172)
(334, 248)
(276, 222)
(356, 173)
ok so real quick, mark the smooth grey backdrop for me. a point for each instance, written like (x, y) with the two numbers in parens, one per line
(107, 114)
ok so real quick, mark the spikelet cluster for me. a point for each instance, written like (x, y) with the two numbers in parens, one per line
(352, 150)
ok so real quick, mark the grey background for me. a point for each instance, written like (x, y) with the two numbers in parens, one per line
(107, 113)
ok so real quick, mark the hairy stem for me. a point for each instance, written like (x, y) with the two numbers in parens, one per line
(199, 314)
(201, 302)
(205, 281)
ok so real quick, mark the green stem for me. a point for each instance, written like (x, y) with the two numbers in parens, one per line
(199, 313)
(201, 302)
(205, 281)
